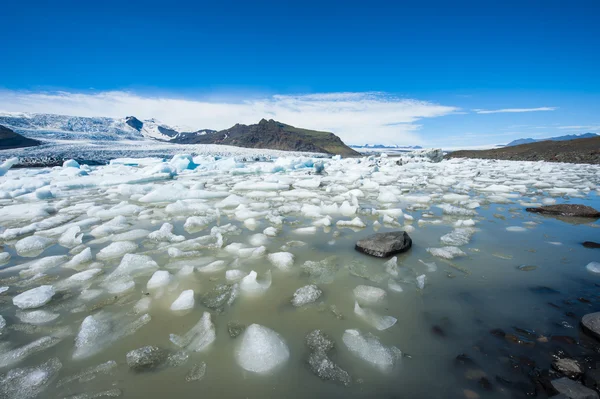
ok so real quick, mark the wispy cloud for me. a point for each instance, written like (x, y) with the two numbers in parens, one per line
(580, 127)
(355, 117)
(513, 110)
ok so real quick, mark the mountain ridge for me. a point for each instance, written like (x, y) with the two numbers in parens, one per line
(267, 134)
(567, 137)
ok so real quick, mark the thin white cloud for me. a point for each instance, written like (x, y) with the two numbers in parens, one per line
(371, 117)
(513, 110)
(580, 127)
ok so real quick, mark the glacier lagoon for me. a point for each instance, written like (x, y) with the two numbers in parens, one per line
(112, 252)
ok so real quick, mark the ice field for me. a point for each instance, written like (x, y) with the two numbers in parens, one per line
(208, 276)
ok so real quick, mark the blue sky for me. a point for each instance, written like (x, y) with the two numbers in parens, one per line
(431, 63)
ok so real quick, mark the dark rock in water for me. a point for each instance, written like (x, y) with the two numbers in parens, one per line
(591, 323)
(146, 358)
(317, 340)
(591, 379)
(496, 332)
(485, 384)
(383, 245)
(568, 367)
(464, 360)
(591, 244)
(526, 268)
(235, 329)
(517, 339)
(573, 389)
(563, 339)
(573, 210)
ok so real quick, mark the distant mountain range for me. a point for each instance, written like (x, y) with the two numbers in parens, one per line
(395, 146)
(268, 134)
(559, 138)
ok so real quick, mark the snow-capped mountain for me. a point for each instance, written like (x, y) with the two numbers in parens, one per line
(64, 127)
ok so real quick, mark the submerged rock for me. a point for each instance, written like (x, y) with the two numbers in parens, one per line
(568, 367)
(219, 296)
(591, 323)
(383, 245)
(261, 350)
(317, 340)
(574, 210)
(591, 244)
(197, 372)
(146, 358)
(573, 389)
(234, 329)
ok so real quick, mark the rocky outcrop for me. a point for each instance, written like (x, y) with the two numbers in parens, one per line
(10, 140)
(383, 245)
(572, 210)
(572, 151)
(591, 323)
(274, 135)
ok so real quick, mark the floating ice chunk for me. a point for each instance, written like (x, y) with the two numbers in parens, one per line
(16, 355)
(100, 330)
(258, 239)
(120, 286)
(391, 266)
(37, 316)
(516, 228)
(71, 163)
(71, 238)
(131, 235)
(231, 201)
(324, 222)
(2, 323)
(548, 201)
(281, 260)
(29, 382)
(421, 281)
(464, 223)
(143, 305)
(252, 252)
(251, 223)
(250, 285)
(84, 256)
(178, 253)
(306, 230)
(159, 279)
(446, 252)
(89, 374)
(386, 196)
(185, 301)
(455, 198)
(408, 218)
(458, 237)
(199, 337)
(408, 228)
(234, 275)
(593, 267)
(308, 183)
(374, 319)
(33, 245)
(165, 233)
(261, 350)
(305, 295)
(116, 225)
(456, 211)
(390, 221)
(197, 223)
(132, 265)
(497, 188)
(212, 267)
(9, 163)
(4, 258)
(121, 209)
(368, 348)
(116, 250)
(394, 286)
(188, 207)
(347, 210)
(366, 294)
(3, 289)
(355, 223)
(35, 297)
(431, 266)
(260, 186)
(270, 232)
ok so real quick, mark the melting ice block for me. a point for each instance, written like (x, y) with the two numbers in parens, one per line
(34, 298)
(281, 260)
(29, 382)
(261, 350)
(374, 319)
(250, 285)
(367, 294)
(368, 348)
(33, 245)
(185, 301)
(305, 295)
(116, 250)
(199, 337)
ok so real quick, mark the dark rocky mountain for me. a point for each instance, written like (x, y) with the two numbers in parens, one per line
(586, 150)
(272, 135)
(559, 138)
(10, 139)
